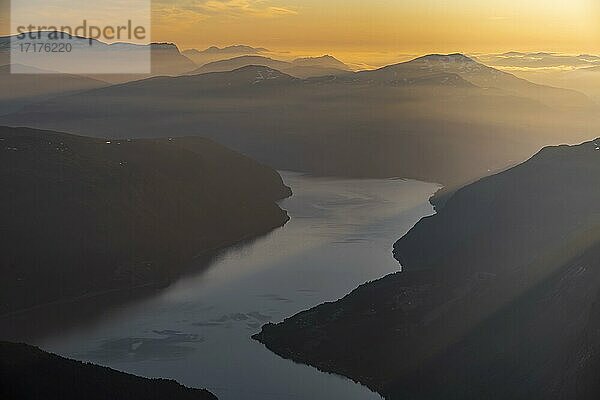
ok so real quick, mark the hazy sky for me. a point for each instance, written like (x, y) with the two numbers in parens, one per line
(381, 26)
(403, 25)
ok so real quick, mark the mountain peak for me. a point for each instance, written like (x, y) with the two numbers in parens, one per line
(238, 62)
(260, 69)
(322, 61)
(455, 57)
(257, 74)
(454, 63)
(164, 45)
(235, 49)
(323, 57)
(248, 58)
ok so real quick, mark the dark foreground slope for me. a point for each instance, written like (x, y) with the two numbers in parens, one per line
(499, 298)
(82, 216)
(28, 373)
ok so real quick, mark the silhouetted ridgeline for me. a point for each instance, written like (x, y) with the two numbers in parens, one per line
(81, 216)
(28, 373)
(499, 298)
(300, 68)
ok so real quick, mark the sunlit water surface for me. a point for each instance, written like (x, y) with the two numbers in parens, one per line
(198, 330)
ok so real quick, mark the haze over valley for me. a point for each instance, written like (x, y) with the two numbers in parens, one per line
(440, 118)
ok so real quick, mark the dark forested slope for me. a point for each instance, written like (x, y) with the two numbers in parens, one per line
(28, 373)
(82, 215)
(498, 299)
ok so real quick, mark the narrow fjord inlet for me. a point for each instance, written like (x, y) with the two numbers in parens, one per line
(199, 330)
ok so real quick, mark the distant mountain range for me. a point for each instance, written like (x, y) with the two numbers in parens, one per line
(214, 53)
(586, 80)
(165, 58)
(300, 68)
(581, 72)
(539, 60)
(498, 298)
(168, 60)
(33, 84)
(325, 61)
(235, 49)
(239, 62)
(442, 118)
(28, 373)
(480, 75)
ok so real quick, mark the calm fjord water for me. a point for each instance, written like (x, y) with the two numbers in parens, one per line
(198, 330)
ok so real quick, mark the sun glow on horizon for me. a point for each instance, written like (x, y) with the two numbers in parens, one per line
(378, 31)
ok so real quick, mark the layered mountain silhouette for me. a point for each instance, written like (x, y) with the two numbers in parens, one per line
(215, 59)
(214, 53)
(499, 297)
(86, 216)
(481, 76)
(578, 72)
(168, 60)
(325, 61)
(516, 59)
(165, 58)
(439, 118)
(234, 49)
(28, 373)
(586, 80)
(300, 68)
(239, 62)
(33, 85)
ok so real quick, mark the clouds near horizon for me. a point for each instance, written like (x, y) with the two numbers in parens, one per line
(204, 9)
(386, 27)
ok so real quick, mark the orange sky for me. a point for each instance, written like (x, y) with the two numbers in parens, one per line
(380, 29)
(378, 24)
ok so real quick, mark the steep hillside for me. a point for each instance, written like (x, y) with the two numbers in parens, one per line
(498, 297)
(83, 216)
(28, 373)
